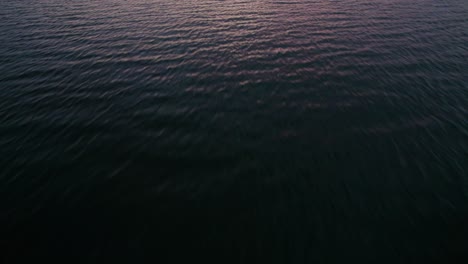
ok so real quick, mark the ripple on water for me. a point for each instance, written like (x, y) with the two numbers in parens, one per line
(279, 130)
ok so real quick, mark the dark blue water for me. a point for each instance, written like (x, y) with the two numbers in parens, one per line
(240, 131)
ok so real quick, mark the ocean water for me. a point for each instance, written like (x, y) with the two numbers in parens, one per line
(237, 131)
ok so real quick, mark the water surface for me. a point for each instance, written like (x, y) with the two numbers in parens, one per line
(239, 131)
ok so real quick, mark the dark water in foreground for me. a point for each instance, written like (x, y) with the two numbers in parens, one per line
(239, 131)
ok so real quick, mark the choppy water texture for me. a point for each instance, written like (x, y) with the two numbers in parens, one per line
(239, 131)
